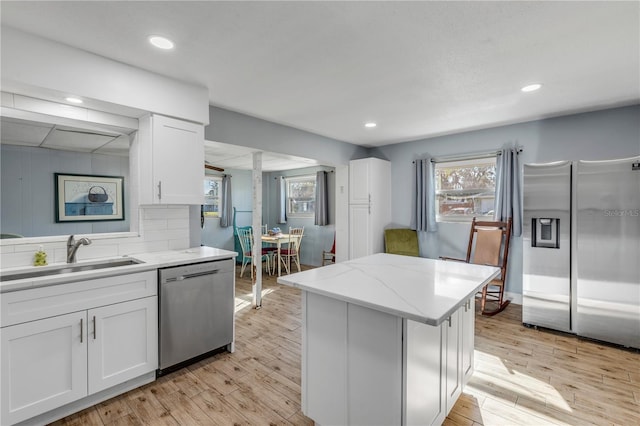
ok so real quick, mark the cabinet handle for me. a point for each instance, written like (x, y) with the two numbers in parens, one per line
(159, 190)
(466, 305)
(94, 327)
(449, 319)
(81, 330)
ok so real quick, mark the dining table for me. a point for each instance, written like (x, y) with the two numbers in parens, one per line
(278, 240)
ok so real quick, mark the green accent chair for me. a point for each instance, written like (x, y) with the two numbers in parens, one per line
(401, 241)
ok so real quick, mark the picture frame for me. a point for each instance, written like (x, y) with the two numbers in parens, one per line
(88, 198)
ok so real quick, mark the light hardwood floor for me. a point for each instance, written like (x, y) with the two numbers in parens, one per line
(522, 377)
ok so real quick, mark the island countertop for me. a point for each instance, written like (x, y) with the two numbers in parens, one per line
(416, 288)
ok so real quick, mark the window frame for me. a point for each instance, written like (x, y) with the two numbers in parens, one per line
(301, 178)
(460, 163)
(212, 198)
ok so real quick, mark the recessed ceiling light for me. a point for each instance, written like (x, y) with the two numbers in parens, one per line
(74, 100)
(161, 42)
(371, 124)
(531, 87)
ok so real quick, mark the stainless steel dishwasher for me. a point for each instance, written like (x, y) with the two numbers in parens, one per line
(196, 312)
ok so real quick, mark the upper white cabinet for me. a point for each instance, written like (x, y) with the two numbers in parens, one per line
(369, 205)
(169, 155)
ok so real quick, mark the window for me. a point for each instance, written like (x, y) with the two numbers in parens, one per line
(465, 189)
(301, 195)
(212, 189)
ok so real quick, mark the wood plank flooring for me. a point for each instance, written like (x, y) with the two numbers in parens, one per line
(522, 377)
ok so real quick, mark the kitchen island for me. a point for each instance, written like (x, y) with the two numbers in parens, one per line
(387, 339)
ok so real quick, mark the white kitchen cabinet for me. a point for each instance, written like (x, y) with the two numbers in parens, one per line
(65, 342)
(467, 325)
(369, 205)
(122, 342)
(44, 365)
(363, 366)
(343, 344)
(453, 358)
(169, 157)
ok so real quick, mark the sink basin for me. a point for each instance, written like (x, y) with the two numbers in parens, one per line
(46, 271)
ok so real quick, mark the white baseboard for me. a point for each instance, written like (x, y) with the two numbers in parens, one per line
(514, 297)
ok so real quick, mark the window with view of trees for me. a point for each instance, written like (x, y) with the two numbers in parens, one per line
(301, 195)
(465, 189)
(212, 193)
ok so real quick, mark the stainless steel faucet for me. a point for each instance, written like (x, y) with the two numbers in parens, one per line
(73, 246)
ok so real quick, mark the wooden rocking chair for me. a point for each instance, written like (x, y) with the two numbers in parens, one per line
(489, 245)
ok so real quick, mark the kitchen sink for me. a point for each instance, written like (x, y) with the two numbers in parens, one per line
(46, 271)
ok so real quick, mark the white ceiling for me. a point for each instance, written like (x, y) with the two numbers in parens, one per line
(418, 69)
(238, 157)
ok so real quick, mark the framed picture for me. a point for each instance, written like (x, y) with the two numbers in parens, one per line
(85, 198)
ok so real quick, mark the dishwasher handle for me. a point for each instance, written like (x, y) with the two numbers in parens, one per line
(192, 275)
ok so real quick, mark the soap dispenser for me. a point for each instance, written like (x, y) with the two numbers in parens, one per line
(40, 258)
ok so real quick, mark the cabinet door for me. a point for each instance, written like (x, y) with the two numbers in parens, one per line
(453, 359)
(360, 237)
(178, 161)
(359, 182)
(44, 365)
(467, 324)
(425, 381)
(123, 342)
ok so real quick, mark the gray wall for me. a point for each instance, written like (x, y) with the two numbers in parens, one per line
(27, 194)
(241, 190)
(316, 238)
(607, 134)
(239, 129)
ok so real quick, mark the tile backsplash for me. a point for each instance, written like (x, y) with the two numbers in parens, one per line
(160, 228)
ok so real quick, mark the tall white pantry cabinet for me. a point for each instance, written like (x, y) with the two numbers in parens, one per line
(369, 205)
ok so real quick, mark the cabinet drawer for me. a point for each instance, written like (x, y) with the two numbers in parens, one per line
(44, 302)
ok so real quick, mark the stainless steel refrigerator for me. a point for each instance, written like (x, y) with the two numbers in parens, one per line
(581, 254)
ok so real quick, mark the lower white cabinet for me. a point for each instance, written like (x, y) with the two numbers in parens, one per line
(122, 342)
(453, 358)
(467, 328)
(362, 366)
(44, 365)
(50, 362)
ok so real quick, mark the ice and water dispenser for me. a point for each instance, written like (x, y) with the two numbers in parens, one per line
(545, 232)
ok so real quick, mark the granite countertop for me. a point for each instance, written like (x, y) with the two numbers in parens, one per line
(149, 261)
(420, 289)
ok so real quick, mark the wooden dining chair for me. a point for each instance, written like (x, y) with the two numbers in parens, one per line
(489, 245)
(292, 251)
(245, 235)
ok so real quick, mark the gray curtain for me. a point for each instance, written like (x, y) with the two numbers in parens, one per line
(322, 200)
(425, 197)
(508, 202)
(281, 200)
(226, 205)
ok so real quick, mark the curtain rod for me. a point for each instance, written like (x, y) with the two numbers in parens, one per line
(306, 174)
(477, 155)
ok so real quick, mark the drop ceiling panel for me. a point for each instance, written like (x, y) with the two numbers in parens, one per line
(71, 140)
(118, 146)
(17, 132)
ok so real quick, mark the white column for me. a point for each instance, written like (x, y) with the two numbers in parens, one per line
(257, 228)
